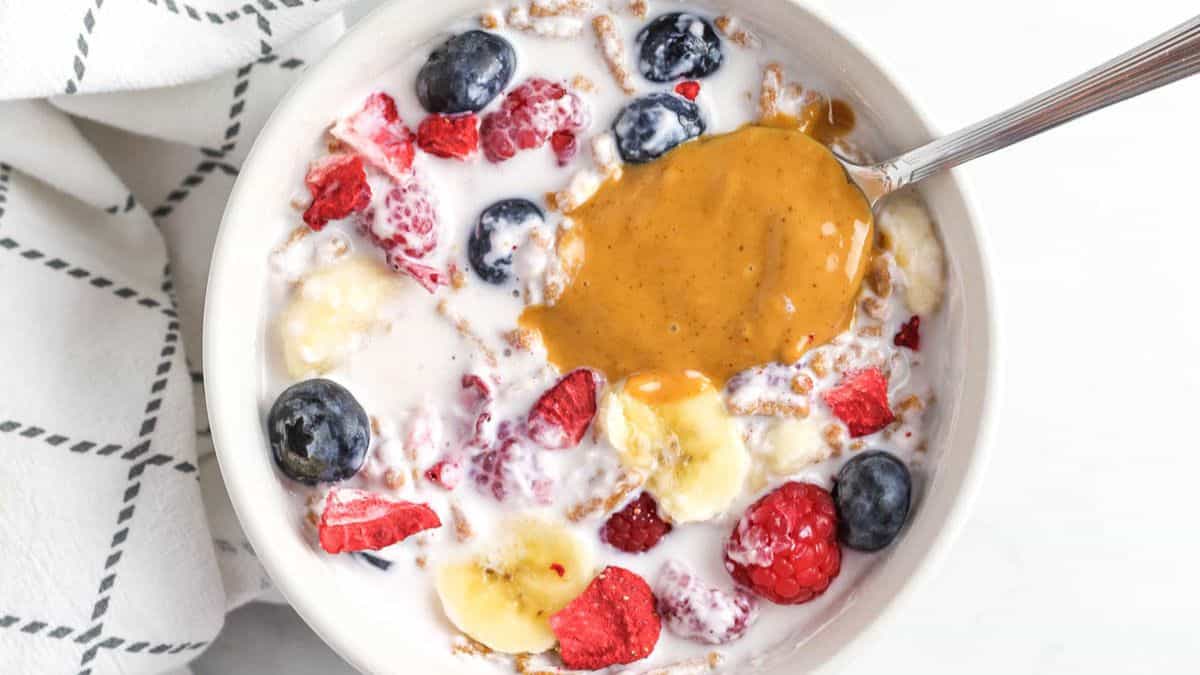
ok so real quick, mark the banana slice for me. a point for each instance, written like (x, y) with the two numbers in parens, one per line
(908, 234)
(680, 435)
(504, 596)
(793, 445)
(330, 312)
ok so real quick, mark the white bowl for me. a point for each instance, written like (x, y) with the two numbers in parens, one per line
(356, 623)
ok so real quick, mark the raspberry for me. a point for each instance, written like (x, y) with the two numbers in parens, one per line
(861, 401)
(784, 547)
(909, 334)
(688, 89)
(531, 113)
(564, 145)
(613, 621)
(379, 135)
(511, 470)
(694, 610)
(356, 520)
(448, 136)
(560, 417)
(635, 528)
(408, 220)
(477, 389)
(427, 276)
(338, 185)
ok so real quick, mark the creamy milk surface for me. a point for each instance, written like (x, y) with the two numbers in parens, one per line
(403, 351)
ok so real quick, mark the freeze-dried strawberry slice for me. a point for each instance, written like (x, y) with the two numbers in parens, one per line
(356, 520)
(688, 89)
(909, 334)
(407, 222)
(530, 114)
(378, 134)
(614, 621)
(861, 401)
(450, 136)
(338, 185)
(561, 416)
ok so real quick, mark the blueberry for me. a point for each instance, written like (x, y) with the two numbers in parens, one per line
(678, 45)
(650, 126)
(466, 73)
(500, 230)
(872, 493)
(318, 432)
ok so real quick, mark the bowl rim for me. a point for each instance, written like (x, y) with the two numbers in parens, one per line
(226, 437)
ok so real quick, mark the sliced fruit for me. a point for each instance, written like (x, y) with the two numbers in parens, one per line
(685, 442)
(794, 444)
(504, 596)
(908, 234)
(329, 311)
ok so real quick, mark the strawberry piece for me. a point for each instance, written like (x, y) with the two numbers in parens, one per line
(861, 401)
(529, 115)
(909, 334)
(379, 135)
(407, 222)
(561, 416)
(478, 386)
(614, 621)
(784, 547)
(446, 473)
(449, 136)
(688, 89)
(356, 520)
(635, 528)
(338, 185)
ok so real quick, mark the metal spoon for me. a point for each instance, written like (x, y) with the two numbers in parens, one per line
(1168, 57)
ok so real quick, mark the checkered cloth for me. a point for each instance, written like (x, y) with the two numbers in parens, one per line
(122, 127)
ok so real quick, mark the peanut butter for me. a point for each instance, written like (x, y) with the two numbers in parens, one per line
(730, 251)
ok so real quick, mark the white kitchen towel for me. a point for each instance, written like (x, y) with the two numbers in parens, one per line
(123, 124)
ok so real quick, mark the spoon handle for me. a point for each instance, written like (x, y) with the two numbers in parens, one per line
(1168, 57)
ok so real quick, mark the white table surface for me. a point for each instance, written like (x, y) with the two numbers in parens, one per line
(1081, 555)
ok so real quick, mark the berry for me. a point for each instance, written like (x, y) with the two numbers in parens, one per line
(784, 547)
(614, 621)
(318, 432)
(500, 230)
(379, 135)
(688, 89)
(465, 73)
(356, 520)
(861, 401)
(909, 334)
(635, 528)
(678, 45)
(511, 471)
(428, 277)
(338, 185)
(696, 611)
(445, 473)
(531, 113)
(407, 221)
(650, 126)
(564, 145)
(451, 136)
(872, 493)
(561, 416)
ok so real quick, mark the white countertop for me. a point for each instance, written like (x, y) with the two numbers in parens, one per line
(1081, 555)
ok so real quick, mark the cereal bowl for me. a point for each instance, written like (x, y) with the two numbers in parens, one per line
(381, 628)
